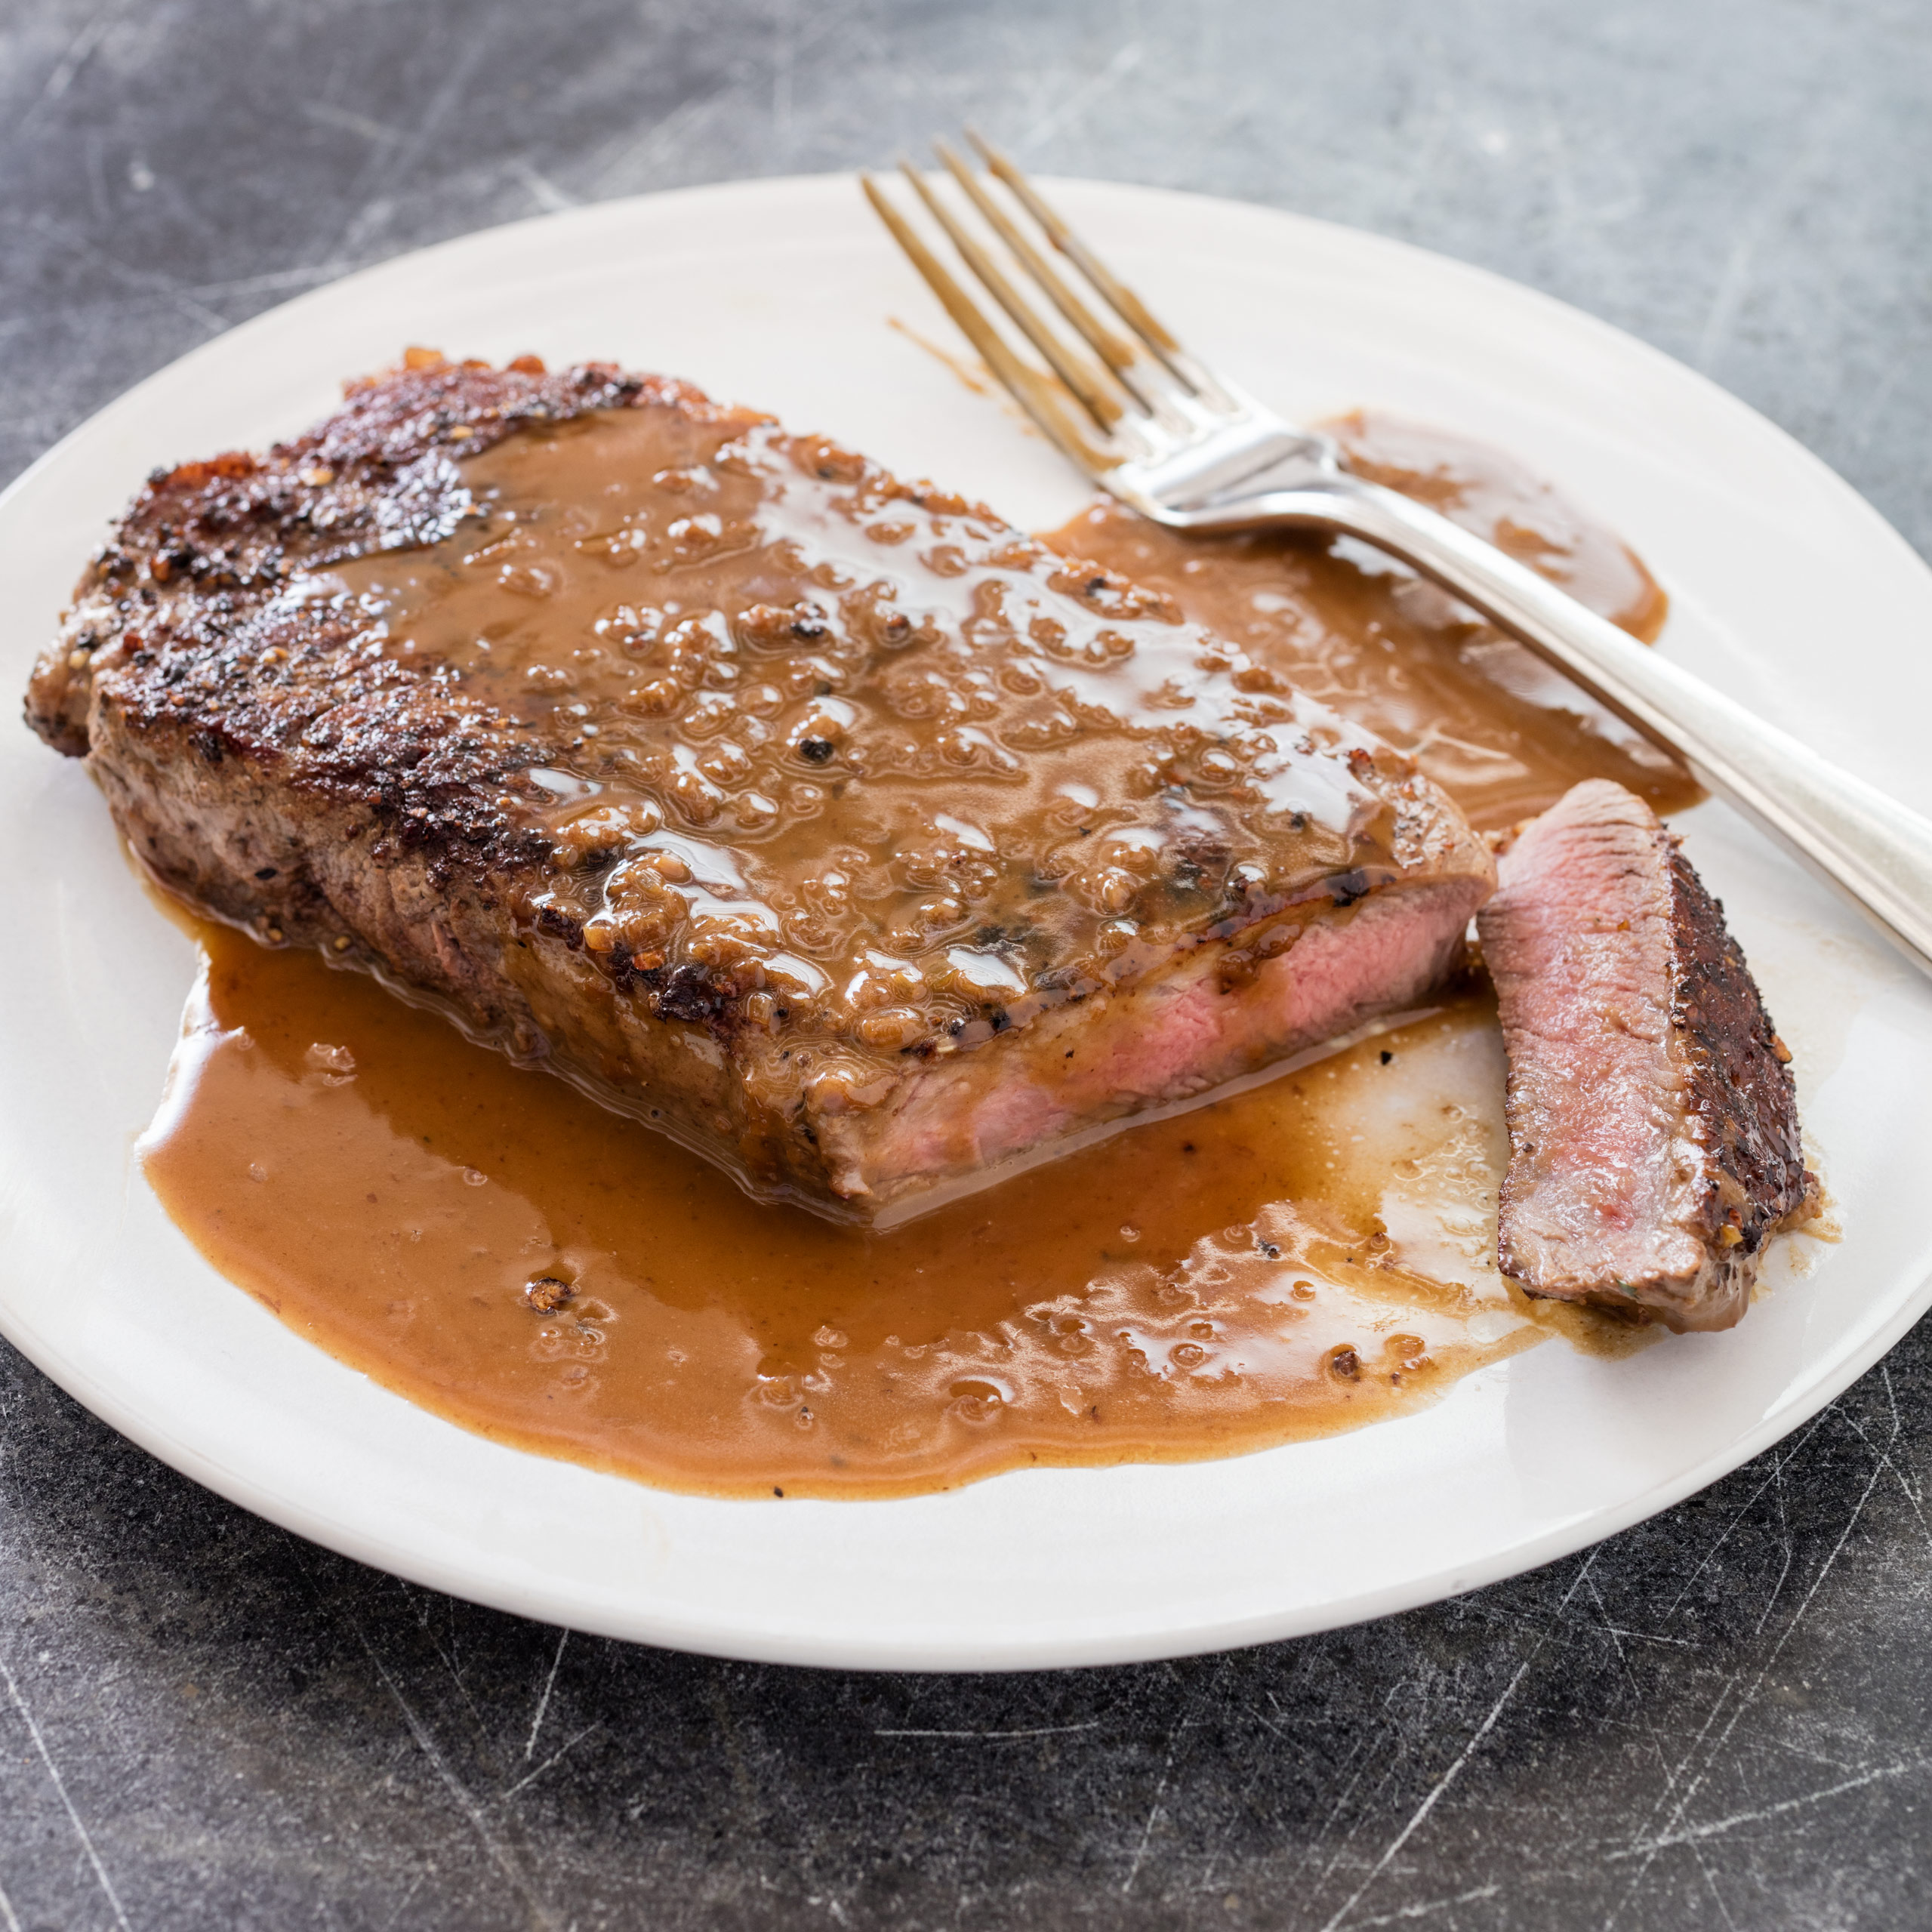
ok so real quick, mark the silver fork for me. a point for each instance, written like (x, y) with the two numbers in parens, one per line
(1155, 426)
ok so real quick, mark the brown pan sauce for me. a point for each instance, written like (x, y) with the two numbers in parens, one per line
(1315, 1253)
(1501, 732)
(1310, 1255)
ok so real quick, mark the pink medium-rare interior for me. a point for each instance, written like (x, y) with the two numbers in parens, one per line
(1578, 938)
(1177, 1036)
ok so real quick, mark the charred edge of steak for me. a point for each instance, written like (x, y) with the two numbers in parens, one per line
(378, 474)
(177, 609)
(1737, 1082)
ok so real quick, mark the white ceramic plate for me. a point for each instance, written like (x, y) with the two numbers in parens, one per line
(1786, 588)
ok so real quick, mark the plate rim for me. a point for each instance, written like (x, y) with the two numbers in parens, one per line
(647, 1622)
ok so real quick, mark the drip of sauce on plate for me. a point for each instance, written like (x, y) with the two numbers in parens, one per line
(1503, 733)
(1314, 1254)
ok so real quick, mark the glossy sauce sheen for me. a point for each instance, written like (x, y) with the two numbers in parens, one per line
(1314, 1254)
(1310, 1255)
(905, 766)
(1501, 732)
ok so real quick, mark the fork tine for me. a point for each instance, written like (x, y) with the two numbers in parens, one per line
(1132, 309)
(1082, 378)
(1039, 395)
(1119, 355)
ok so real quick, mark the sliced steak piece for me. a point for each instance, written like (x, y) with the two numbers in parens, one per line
(846, 832)
(1653, 1126)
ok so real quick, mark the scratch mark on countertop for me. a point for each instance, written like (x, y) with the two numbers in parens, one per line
(544, 192)
(390, 162)
(1785, 1545)
(637, 159)
(1322, 1832)
(1617, 1631)
(543, 1702)
(1734, 279)
(1671, 1834)
(1793, 1446)
(1402, 1914)
(1914, 1496)
(60, 1788)
(1194, 1702)
(556, 1756)
(1147, 1828)
(330, 115)
(1124, 60)
(273, 281)
(148, 282)
(500, 1853)
(1657, 1742)
(423, 1607)
(1420, 1814)
(401, 1905)
(1718, 1827)
(1036, 1730)
(784, 67)
(1211, 1866)
(79, 52)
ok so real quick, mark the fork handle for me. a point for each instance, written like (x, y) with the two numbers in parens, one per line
(1874, 849)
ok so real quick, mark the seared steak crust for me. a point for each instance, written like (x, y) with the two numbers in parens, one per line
(855, 899)
(1737, 1079)
(176, 605)
(1655, 1146)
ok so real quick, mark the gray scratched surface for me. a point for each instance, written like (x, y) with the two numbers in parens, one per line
(1720, 1719)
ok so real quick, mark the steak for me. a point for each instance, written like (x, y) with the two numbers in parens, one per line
(1653, 1130)
(837, 828)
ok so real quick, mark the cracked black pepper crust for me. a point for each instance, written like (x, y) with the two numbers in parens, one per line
(1738, 1082)
(182, 629)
